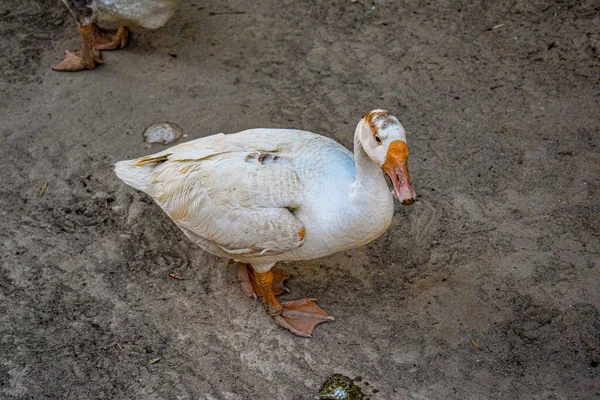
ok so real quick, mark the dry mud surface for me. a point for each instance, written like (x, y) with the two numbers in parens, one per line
(502, 247)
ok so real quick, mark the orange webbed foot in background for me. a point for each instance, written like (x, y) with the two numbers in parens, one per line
(105, 39)
(93, 39)
(85, 58)
(78, 61)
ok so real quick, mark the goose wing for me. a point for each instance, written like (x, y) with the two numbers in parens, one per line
(239, 199)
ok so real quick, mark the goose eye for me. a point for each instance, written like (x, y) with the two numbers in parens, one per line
(378, 139)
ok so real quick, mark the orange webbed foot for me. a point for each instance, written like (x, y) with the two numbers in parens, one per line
(105, 39)
(78, 61)
(298, 316)
(301, 316)
(85, 58)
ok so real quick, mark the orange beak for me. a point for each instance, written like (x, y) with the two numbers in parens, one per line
(396, 166)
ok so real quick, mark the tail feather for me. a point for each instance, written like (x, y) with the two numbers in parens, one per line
(133, 173)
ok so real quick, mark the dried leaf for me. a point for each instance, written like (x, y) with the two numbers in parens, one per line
(43, 189)
(474, 343)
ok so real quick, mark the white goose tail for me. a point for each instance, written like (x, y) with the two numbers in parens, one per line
(137, 173)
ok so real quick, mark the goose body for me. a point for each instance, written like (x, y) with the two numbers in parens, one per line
(267, 195)
(247, 196)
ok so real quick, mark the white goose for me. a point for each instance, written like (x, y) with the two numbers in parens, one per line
(150, 14)
(267, 195)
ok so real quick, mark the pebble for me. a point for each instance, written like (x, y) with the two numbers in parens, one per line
(162, 132)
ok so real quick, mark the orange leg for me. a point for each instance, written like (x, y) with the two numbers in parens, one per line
(93, 39)
(85, 58)
(299, 316)
(251, 288)
(105, 39)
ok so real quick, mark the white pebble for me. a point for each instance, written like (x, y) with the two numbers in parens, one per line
(162, 132)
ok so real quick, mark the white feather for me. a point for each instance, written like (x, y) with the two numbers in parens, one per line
(150, 14)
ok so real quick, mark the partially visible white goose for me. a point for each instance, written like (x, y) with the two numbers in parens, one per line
(267, 195)
(150, 14)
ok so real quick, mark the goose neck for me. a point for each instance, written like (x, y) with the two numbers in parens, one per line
(368, 173)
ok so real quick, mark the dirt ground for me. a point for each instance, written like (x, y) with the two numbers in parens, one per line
(486, 288)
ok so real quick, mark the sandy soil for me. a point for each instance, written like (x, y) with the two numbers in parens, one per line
(502, 247)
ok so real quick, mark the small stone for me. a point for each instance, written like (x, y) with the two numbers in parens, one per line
(162, 132)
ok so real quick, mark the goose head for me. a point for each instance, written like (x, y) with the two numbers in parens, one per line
(383, 138)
